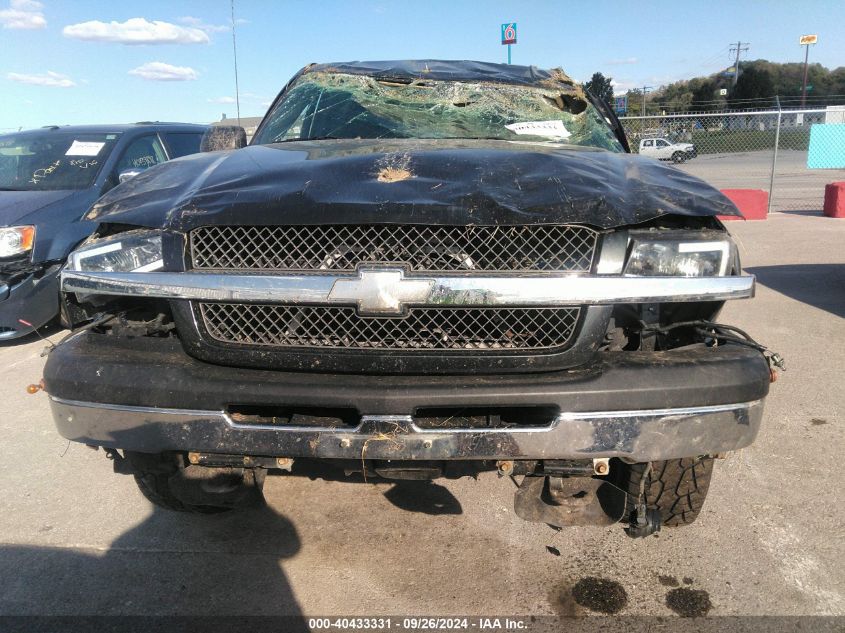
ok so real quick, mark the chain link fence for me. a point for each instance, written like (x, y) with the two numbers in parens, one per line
(768, 150)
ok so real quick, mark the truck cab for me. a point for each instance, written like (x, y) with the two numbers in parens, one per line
(664, 149)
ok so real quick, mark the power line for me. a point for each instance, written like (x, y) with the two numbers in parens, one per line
(782, 98)
(712, 59)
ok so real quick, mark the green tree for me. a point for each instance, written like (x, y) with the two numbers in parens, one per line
(704, 96)
(759, 79)
(836, 82)
(753, 83)
(601, 88)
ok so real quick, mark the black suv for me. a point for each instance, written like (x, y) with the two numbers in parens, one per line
(49, 178)
(416, 269)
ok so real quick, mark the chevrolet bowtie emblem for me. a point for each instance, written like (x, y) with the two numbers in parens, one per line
(381, 290)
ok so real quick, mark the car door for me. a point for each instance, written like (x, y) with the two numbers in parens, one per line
(647, 147)
(663, 149)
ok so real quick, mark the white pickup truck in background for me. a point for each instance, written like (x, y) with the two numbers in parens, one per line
(663, 149)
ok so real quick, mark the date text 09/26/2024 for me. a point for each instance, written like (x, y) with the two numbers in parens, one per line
(418, 623)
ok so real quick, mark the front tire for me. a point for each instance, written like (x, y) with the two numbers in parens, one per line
(676, 487)
(679, 157)
(168, 482)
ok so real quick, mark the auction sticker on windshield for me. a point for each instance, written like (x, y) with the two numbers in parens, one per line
(84, 148)
(554, 128)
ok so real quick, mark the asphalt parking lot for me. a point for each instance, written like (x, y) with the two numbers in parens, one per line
(77, 539)
(795, 187)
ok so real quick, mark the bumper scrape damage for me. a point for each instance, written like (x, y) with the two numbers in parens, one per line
(29, 296)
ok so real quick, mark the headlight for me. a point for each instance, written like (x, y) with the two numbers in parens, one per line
(134, 251)
(674, 257)
(16, 240)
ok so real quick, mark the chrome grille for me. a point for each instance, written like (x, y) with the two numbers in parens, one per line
(421, 329)
(421, 247)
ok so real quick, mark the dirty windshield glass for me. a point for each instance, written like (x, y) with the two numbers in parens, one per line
(336, 105)
(52, 160)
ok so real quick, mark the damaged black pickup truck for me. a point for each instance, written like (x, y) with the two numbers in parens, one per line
(415, 270)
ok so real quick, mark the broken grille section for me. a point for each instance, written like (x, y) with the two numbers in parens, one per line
(422, 328)
(422, 248)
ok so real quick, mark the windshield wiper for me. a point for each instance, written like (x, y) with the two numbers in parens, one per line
(9, 189)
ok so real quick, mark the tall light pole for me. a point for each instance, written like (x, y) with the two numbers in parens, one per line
(235, 54)
(741, 47)
(806, 41)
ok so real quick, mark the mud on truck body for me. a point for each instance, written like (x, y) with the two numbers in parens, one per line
(415, 270)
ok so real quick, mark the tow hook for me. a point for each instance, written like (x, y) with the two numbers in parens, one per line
(644, 521)
(776, 363)
(120, 464)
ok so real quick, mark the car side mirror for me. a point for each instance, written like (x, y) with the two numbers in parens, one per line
(222, 137)
(128, 174)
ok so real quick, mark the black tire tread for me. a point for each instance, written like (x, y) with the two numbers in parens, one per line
(676, 487)
(152, 473)
(156, 489)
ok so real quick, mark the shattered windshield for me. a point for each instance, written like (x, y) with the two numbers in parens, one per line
(337, 105)
(52, 160)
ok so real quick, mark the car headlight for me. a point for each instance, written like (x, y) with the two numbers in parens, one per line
(679, 257)
(133, 251)
(16, 240)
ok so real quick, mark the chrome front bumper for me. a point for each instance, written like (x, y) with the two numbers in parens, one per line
(413, 289)
(643, 435)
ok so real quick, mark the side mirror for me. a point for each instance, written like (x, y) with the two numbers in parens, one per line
(127, 174)
(221, 137)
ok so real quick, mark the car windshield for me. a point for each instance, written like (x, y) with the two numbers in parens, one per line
(338, 105)
(52, 160)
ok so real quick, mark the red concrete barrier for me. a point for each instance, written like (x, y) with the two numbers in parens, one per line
(834, 200)
(753, 204)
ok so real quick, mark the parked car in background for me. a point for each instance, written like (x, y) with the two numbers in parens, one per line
(664, 149)
(49, 178)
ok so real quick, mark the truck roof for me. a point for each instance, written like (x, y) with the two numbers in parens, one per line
(142, 126)
(447, 70)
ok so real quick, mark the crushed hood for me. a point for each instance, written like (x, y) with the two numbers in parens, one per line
(446, 182)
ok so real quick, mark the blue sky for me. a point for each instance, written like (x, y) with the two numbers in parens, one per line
(67, 62)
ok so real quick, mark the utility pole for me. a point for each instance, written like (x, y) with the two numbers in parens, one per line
(741, 47)
(645, 89)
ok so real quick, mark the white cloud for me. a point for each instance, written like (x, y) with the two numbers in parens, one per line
(159, 71)
(622, 62)
(51, 79)
(23, 14)
(621, 87)
(136, 31)
(199, 23)
(223, 100)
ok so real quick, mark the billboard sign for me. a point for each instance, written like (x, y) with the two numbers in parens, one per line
(509, 33)
(620, 104)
